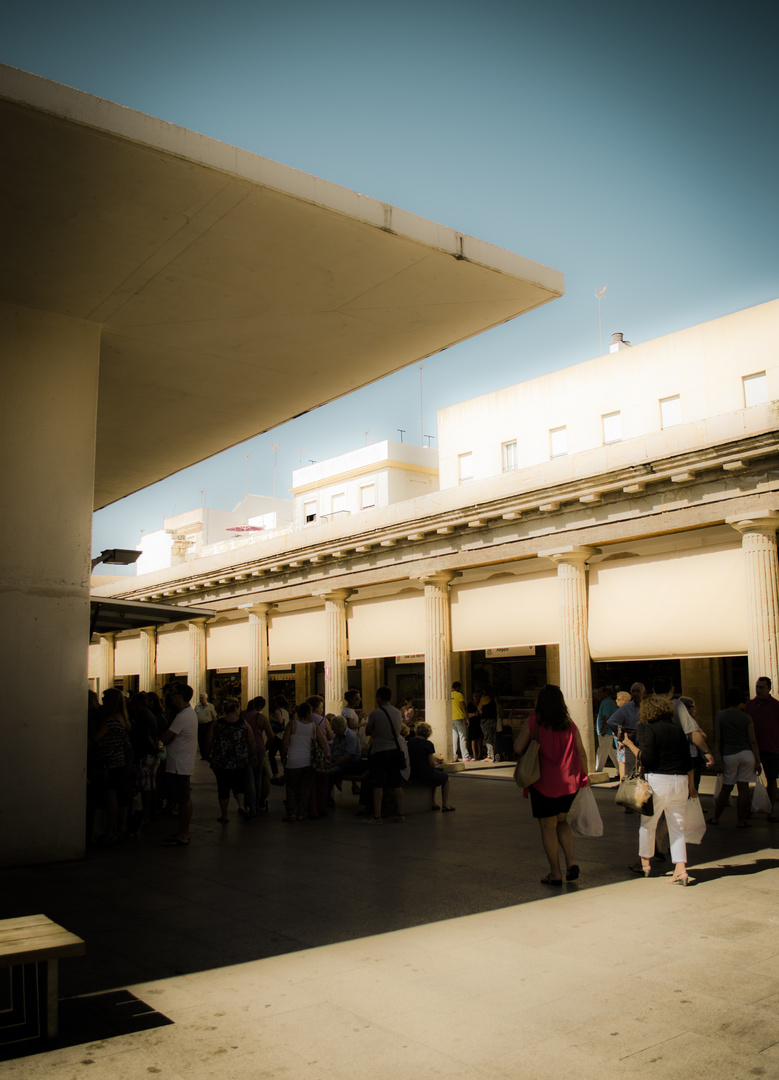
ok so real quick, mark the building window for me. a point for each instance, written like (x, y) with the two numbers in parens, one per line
(465, 466)
(509, 455)
(309, 511)
(612, 427)
(367, 496)
(755, 389)
(558, 442)
(338, 502)
(670, 411)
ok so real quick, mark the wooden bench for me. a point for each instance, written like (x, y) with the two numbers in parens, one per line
(33, 940)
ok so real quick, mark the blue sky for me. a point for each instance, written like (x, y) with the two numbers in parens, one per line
(625, 144)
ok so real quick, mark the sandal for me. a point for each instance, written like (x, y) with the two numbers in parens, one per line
(573, 873)
(435, 806)
(549, 880)
(639, 868)
(683, 879)
(448, 809)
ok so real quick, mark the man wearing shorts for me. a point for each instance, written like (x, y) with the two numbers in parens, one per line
(181, 741)
(764, 711)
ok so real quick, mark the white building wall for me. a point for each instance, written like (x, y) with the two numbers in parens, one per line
(704, 366)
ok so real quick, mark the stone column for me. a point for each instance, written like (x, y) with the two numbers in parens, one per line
(758, 542)
(106, 671)
(575, 667)
(304, 682)
(335, 649)
(438, 661)
(196, 659)
(257, 682)
(372, 672)
(148, 674)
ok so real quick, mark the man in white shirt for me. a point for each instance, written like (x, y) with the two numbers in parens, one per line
(181, 741)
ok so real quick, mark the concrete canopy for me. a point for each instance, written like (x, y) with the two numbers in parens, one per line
(230, 291)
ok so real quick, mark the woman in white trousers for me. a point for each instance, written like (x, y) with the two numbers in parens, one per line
(667, 765)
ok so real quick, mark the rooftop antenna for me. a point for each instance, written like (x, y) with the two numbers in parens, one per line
(247, 473)
(429, 438)
(275, 449)
(301, 452)
(402, 432)
(421, 408)
(600, 294)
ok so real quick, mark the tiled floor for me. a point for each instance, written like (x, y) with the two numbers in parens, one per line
(429, 949)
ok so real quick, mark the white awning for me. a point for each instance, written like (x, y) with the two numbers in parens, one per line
(679, 604)
(172, 651)
(506, 611)
(227, 645)
(297, 638)
(127, 655)
(387, 626)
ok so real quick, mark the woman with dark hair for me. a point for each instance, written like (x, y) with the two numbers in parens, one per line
(231, 750)
(563, 763)
(296, 755)
(279, 718)
(115, 758)
(667, 765)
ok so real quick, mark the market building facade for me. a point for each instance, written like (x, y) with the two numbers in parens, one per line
(631, 524)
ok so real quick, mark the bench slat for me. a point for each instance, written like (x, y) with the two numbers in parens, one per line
(35, 937)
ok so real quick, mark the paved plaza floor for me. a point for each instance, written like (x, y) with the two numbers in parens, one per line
(329, 949)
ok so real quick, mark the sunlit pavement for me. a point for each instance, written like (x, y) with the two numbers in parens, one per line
(328, 949)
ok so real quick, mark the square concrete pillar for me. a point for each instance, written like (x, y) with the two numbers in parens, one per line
(50, 376)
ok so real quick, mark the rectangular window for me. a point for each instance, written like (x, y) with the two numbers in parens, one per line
(309, 511)
(670, 411)
(338, 502)
(558, 442)
(612, 427)
(755, 389)
(509, 455)
(367, 496)
(465, 466)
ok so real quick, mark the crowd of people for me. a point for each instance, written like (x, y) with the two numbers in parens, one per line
(150, 748)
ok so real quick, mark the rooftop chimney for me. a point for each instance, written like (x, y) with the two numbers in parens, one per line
(618, 343)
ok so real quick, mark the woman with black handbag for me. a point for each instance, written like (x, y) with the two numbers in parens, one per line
(667, 765)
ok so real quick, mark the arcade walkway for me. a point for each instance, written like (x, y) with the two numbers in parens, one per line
(430, 949)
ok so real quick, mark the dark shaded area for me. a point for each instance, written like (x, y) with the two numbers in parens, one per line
(248, 891)
(90, 1019)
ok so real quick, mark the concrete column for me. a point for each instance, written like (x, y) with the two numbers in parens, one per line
(335, 649)
(758, 542)
(47, 446)
(700, 681)
(438, 661)
(196, 657)
(553, 664)
(304, 682)
(107, 673)
(257, 683)
(372, 672)
(148, 675)
(575, 666)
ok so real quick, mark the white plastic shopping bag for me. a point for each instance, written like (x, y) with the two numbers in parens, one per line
(761, 802)
(694, 823)
(585, 817)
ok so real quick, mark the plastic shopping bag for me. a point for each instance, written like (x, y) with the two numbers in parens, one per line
(694, 823)
(585, 817)
(761, 802)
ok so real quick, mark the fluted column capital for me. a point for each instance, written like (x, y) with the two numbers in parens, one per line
(336, 596)
(439, 578)
(573, 556)
(763, 522)
(258, 610)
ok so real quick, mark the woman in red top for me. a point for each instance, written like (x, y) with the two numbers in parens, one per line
(563, 763)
